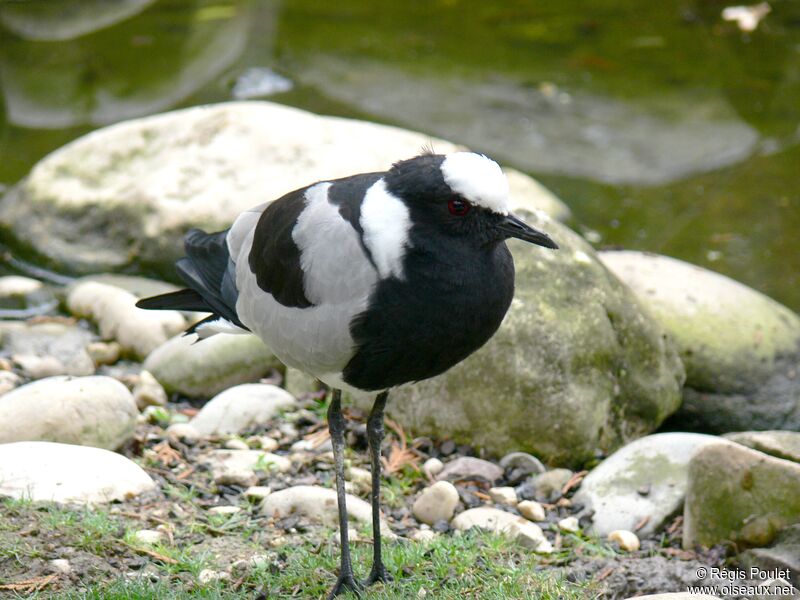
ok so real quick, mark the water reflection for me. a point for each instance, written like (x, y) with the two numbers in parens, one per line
(144, 64)
(65, 19)
(546, 129)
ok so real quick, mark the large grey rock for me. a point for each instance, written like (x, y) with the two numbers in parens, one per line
(90, 411)
(319, 504)
(138, 331)
(241, 408)
(644, 479)
(203, 369)
(740, 348)
(577, 365)
(45, 471)
(202, 166)
(64, 343)
(783, 444)
(739, 495)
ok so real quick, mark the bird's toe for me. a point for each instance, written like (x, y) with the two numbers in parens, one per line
(346, 582)
(378, 573)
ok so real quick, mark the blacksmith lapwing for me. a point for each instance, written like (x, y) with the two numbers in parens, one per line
(366, 283)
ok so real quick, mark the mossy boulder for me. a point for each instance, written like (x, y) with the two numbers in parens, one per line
(122, 197)
(783, 444)
(642, 482)
(739, 495)
(202, 370)
(741, 349)
(577, 365)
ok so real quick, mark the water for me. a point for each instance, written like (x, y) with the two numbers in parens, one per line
(664, 127)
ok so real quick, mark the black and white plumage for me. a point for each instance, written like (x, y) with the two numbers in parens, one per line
(366, 282)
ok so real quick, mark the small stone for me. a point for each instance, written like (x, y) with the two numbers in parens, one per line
(104, 353)
(61, 565)
(224, 510)
(237, 477)
(533, 511)
(8, 381)
(258, 561)
(242, 408)
(312, 446)
(503, 495)
(432, 467)
(15, 285)
(548, 485)
(236, 444)
(288, 430)
(183, 432)
(318, 504)
(238, 467)
(441, 526)
(499, 521)
(138, 331)
(208, 576)
(569, 525)
(437, 502)
(148, 537)
(39, 367)
(526, 463)
(627, 540)
(423, 535)
(257, 492)
(447, 447)
(148, 392)
(31, 341)
(264, 442)
(530, 536)
(361, 478)
(467, 467)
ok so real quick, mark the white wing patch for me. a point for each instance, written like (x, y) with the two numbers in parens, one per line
(338, 280)
(385, 220)
(478, 179)
(331, 256)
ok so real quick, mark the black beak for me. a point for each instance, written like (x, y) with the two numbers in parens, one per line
(511, 226)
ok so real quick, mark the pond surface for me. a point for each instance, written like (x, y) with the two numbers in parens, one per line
(661, 125)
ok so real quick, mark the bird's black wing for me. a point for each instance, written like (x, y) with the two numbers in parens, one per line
(210, 274)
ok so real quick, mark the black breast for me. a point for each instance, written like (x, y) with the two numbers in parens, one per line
(450, 303)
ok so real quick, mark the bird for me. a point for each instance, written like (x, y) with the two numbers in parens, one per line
(365, 282)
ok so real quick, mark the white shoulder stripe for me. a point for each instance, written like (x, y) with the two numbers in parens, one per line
(385, 220)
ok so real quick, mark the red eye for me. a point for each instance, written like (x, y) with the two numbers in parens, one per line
(458, 207)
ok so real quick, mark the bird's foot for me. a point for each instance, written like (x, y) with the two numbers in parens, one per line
(378, 573)
(346, 582)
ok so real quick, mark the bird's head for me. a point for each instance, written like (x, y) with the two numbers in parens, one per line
(462, 194)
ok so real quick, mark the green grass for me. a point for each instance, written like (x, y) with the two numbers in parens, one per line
(474, 565)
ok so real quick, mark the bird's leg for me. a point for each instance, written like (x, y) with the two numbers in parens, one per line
(375, 437)
(336, 427)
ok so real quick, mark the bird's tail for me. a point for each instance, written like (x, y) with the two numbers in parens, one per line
(208, 271)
